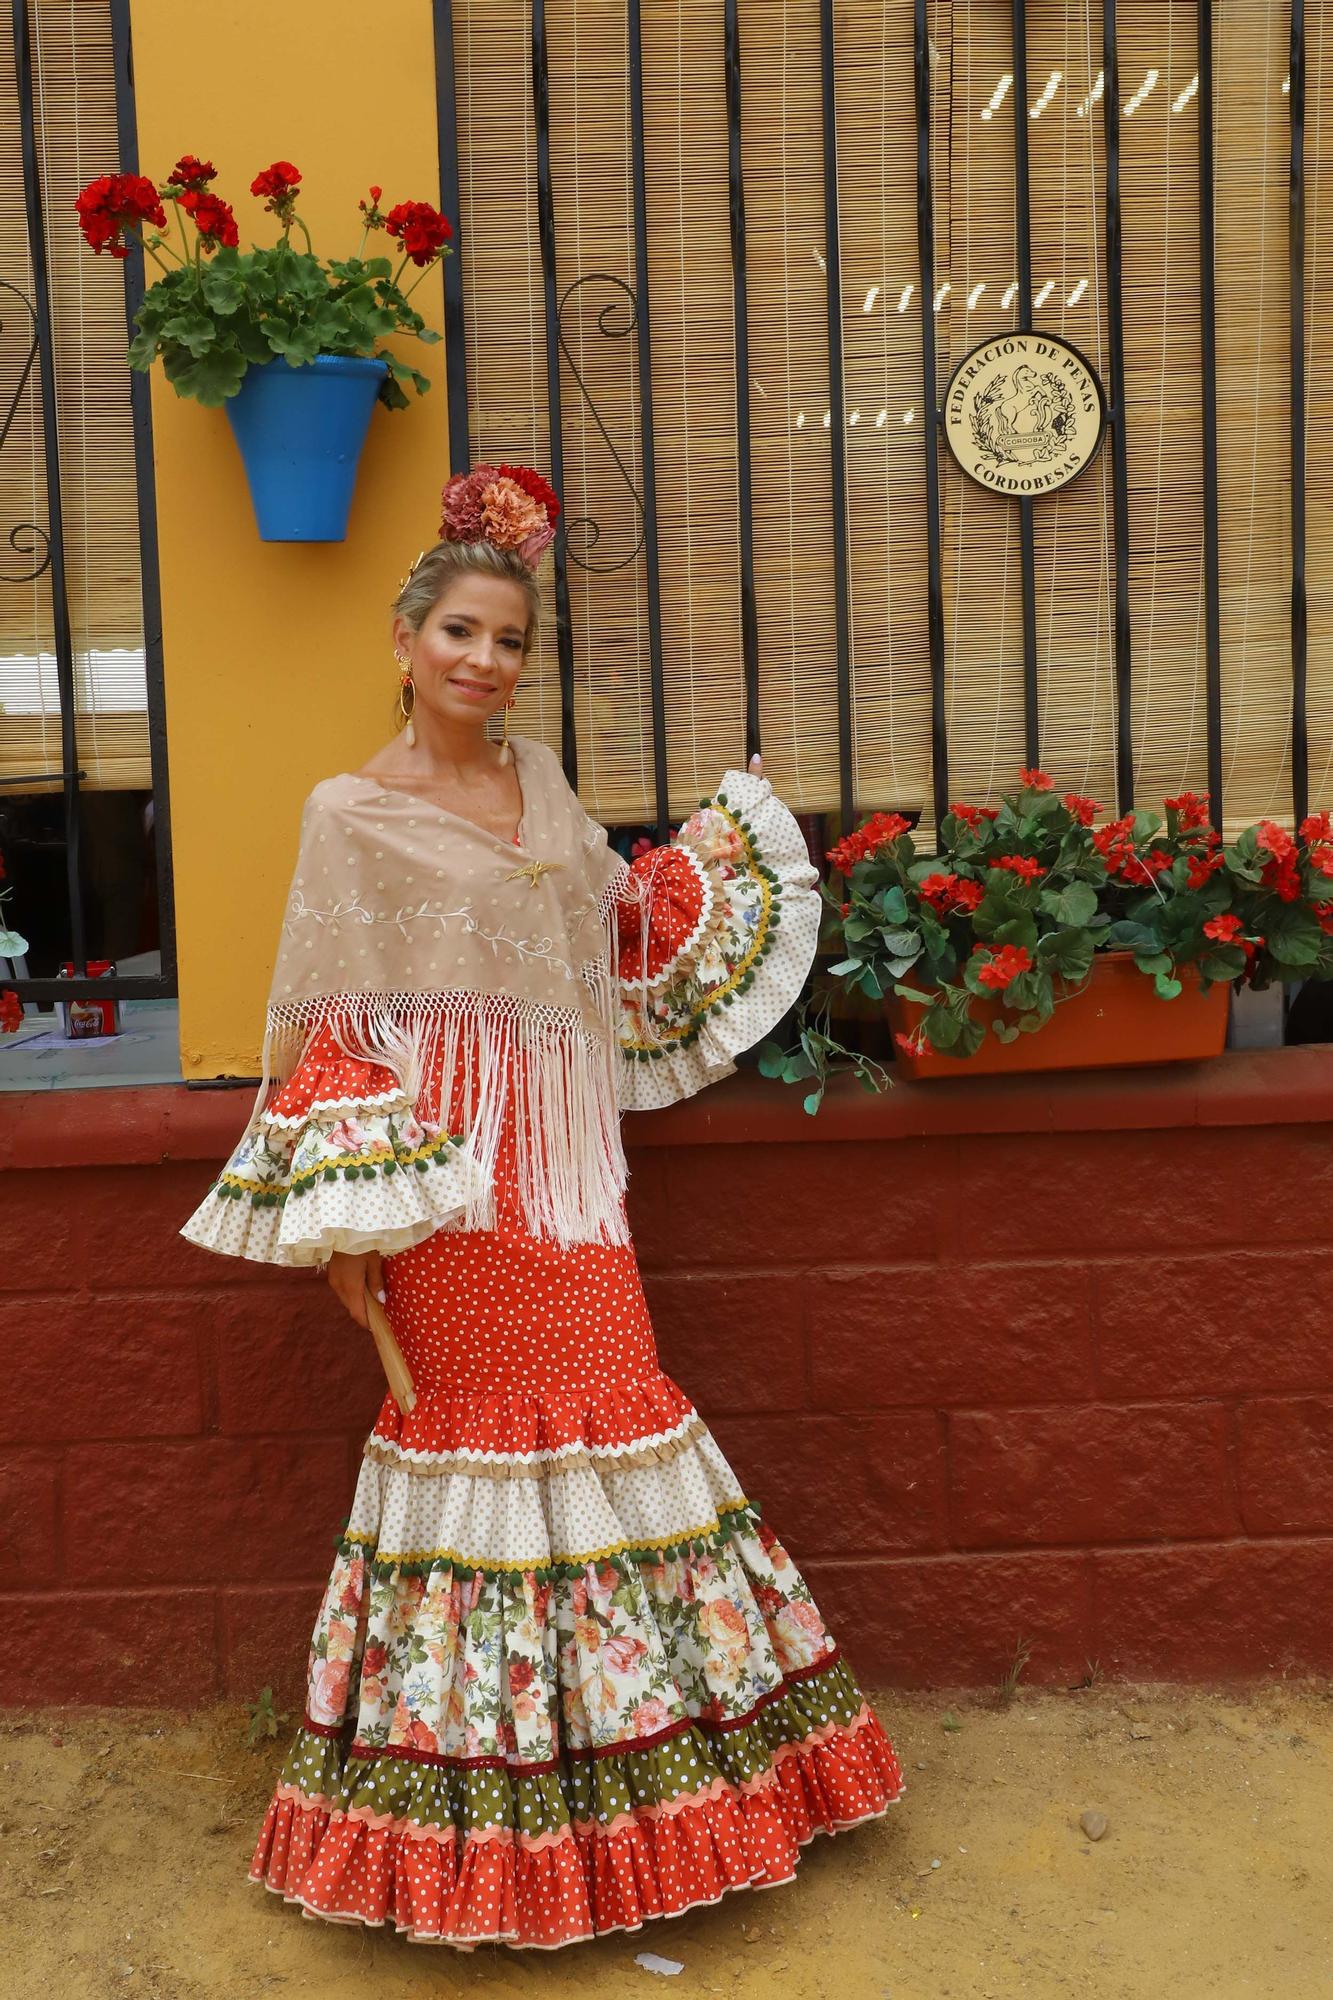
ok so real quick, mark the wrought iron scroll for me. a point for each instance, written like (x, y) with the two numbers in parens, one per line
(41, 540)
(585, 523)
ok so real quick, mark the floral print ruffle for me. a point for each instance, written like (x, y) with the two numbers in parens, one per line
(539, 1761)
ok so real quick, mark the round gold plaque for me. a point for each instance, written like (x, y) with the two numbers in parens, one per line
(1024, 414)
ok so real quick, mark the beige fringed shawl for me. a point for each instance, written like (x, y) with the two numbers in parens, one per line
(414, 935)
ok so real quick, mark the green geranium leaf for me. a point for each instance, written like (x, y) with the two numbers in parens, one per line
(1166, 989)
(771, 1059)
(1153, 961)
(210, 379)
(1075, 905)
(901, 944)
(1003, 1030)
(843, 967)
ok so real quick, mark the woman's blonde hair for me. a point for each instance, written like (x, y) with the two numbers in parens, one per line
(433, 572)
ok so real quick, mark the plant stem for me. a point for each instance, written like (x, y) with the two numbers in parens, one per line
(310, 248)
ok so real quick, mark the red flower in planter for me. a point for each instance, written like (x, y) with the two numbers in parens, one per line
(878, 831)
(213, 218)
(371, 209)
(1006, 965)
(277, 187)
(1225, 928)
(1318, 826)
(938, 891)
(1036, 781)
(1201, 869)
(421, 229)
(1282, 870)
(1192, 808)
(1084, 809)
(191, 173)
(968, 894)
(116, 202)
(1021, 865)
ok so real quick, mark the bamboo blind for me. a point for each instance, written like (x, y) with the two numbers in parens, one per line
(885, 410)
(76, 131)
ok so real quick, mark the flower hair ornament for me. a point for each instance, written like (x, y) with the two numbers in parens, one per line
(509, 506)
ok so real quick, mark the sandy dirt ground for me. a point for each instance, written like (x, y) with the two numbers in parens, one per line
(125, 1840)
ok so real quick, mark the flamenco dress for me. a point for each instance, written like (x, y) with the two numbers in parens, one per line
(564, 1676)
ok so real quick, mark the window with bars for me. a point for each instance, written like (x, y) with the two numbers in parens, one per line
(83, 803)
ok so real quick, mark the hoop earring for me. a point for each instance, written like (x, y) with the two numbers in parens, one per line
(407, 709)
(505, 752)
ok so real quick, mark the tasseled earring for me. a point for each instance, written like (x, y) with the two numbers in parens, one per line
(505, 752)
(407, 702)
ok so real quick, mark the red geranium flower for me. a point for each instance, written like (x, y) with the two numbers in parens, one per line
(191, 173)
(116, 202)
(1200, 869)
(967, 894)
(371, 209)
(421, 229)
(938, 890)
(1021, 865)
(1324, 912)
(11, 1011)
(1318, 826)
(213, 218)
(1192, 808)
(1005, 966)
(879, 830)
(1036, 781)
(1085, 810)
(277, 185)
(1224, 928)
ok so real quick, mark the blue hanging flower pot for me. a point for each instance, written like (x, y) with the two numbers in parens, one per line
(301, 431)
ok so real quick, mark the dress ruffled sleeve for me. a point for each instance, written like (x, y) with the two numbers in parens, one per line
(337, 1160)
(716, 936)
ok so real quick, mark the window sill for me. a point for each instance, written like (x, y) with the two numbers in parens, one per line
(166, 1123)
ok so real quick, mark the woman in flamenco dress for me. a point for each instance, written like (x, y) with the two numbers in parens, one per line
(564, 1676)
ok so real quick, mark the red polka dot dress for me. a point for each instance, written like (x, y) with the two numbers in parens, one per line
(564, 1677)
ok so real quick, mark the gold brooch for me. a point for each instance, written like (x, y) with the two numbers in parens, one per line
(533, 870)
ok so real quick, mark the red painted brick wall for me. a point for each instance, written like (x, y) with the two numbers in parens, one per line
(1067, 1386)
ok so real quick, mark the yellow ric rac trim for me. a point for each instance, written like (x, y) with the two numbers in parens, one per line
(716, 994)
(314, 1174)
(543, 1562)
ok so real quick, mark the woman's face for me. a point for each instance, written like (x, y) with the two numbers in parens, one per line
(468, 654)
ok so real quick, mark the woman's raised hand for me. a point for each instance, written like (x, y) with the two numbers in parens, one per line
(757, 765)
(351, 1277)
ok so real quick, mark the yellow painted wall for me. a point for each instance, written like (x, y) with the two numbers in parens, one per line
(279, 669)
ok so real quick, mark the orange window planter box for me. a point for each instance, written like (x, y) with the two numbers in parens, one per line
(1115, 1021)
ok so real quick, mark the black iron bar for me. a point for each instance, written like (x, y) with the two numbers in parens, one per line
(1300, 734)
(64, 642)
(1023, 241)
(45, 992)
(145, 484)
(564, 631)
(455, 330)
(1124, 713)
(837, 417)
(1208, 356)
(649, 469)
(741, 318)
(930, 428)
